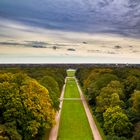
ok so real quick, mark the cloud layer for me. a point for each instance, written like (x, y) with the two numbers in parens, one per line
(104, 16)
(43, 31)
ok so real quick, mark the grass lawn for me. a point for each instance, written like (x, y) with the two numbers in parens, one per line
(73, 123)
(71, 90)
(70, 73)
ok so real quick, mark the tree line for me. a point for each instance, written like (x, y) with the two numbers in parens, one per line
(29, 99)
(114, 97)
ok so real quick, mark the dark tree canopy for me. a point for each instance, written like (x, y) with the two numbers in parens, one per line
(114, 96)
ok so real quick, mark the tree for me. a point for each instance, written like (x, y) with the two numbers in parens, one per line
(116, 122)
(9, 132)
(53, 88)
(26, 105)
(115, 138)
(109, 87)
(95, 86)
(5, 77)
(130, 84)
(109, 96)
(136, 101)
(137, 131)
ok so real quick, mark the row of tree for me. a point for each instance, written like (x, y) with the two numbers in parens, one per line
(28, 101)
(114, 96)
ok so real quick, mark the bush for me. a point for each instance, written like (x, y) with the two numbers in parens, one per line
(115, 138)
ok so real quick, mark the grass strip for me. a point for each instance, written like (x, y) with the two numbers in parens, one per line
(73, 123)
(71, 90)
(70, 73)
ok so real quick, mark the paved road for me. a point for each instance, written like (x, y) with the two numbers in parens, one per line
(92, 124)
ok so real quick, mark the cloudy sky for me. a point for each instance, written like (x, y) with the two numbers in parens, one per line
(67, 31)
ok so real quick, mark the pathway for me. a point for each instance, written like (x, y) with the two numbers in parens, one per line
(54, 130)
(92, 124)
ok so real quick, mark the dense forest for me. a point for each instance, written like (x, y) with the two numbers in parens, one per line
(113, 95)
(29, 99)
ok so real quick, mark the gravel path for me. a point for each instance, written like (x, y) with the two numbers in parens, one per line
(54, 130)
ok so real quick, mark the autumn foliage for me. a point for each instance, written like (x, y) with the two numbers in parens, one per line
(27, 106)
(114, 96)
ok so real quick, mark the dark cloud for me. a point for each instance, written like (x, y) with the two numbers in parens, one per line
(103, 16)
(111, 52)
(117, 47)
(34, 44)
(11, 43)
(94, 51)
(71, 49)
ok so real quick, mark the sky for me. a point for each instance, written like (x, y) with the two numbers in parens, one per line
(69, 31)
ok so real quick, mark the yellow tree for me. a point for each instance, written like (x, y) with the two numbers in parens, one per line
(25, 104)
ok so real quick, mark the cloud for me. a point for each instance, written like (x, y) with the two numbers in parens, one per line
(98, 16)
(117, 47)
(20, 40)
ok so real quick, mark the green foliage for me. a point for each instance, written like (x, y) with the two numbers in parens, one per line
(136, 101)
(116, 122)
(137, 132)
(37, 72)
(131, 83)
(115, 138)
(109, 96)
(122, 73)
(5, 77)
(109, 87)
(133, 115)
(102, 81)
(26, 103)
(53, 88)
(82, 74)
(8, 131)
(95, 86)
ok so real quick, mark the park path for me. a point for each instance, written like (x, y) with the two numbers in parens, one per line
(54, 130)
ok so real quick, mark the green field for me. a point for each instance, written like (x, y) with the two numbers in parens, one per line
(70, 73)
(71, 90)
(74, 124)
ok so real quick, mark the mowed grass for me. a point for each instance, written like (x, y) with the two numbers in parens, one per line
(71, 73)
(71, 90)
(73, 123)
